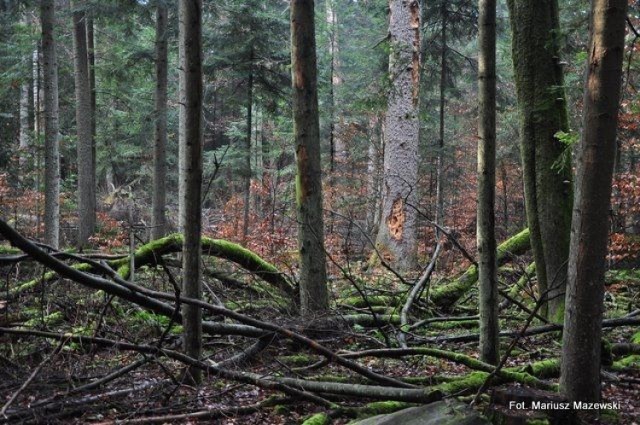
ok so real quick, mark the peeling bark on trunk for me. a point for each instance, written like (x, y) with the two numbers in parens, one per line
(51, 143)
(86, 187)
(581, 346)
(158, 217)
(547, 177)
(397, 233)
(486, 237)
(191, 66)
(314, 296)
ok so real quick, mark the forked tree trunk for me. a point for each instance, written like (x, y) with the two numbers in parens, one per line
(158, 202)
(396, 238)
(314, 296)
(191, 67)
(486, 237)
(51, 143)
(86, 187)
(547, 174)
(581, 342)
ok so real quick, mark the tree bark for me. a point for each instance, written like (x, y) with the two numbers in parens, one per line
(191, 66)
(246, 195)
(440, 152)
(86, 186)
(397, 233)
(158, 201)
(580, 377)
(91, 61)
(486, 237)
(314, 296)
(51, 143)
(24, 141)
(547, 174)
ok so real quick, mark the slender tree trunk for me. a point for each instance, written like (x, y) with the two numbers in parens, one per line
(547, 176)
(314, 296)
(86, 187)
(91, 59)
(338, 150)
(158, 202)
(51, 143)
(397, 233)
(486, 237)
(24, 137)
(440, 153)
(247, 157)
(181, 133)
(580, 378)
(191, 67)
(373, 174)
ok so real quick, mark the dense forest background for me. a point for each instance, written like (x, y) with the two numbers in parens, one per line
(380, 296)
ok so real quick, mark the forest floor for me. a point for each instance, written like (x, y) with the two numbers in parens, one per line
(45, 381)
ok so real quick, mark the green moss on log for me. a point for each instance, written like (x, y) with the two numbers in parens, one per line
(374, 301)
(446, 295)
(318, 419)
(382, 408)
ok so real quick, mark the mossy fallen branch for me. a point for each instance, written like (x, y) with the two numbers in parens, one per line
(150, 253)
(445, 296)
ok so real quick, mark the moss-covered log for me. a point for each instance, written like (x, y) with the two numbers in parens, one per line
(150, 253)
(446, 295)
(247, 259)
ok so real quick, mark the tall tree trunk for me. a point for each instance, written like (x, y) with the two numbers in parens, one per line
(247, 157)
(86, 186)
(158, 202)
(547, 177)
(397, 233)
(580, 378)
(338, 149)
(181, 133)
(373, 174)
(486, 237)
(191, 67)
(51, 144)
(440, 152)
(314, 296)
(91, 60)
(24, 136)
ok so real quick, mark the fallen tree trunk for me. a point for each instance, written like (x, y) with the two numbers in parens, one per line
(150, 254)
(445, 296)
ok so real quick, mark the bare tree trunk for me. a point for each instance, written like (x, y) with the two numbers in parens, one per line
(338, 149)
(580, 378)
(24, 137)
(373, 174)
(440, 153)
(158, 202)
(547, 175)
(86, 186)
(486, 236)
(397, 233)
(191, 67)
(247, 157)
(91, 59)
(181, 133)
(51, 141)
(314, 296)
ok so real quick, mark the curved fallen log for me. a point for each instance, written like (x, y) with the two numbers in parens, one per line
(445, 296)
(150, 254)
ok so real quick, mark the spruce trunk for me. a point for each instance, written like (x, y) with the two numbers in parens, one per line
(581, 344)
(314, 296)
